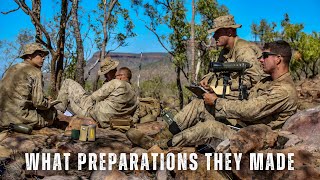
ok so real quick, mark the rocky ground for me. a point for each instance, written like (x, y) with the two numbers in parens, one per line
(300, 135)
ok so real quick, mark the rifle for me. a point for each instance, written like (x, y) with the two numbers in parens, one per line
(226, 69)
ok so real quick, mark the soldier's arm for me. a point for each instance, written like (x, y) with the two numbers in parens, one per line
(38, 99)
(251, 75)
(104, 91)
(253, 109)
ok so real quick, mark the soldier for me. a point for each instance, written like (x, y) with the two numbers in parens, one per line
(21, 91)
(234, 50)
(115, 98)
(124, 74)
(272, 101)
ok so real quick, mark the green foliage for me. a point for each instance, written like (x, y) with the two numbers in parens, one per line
(70, 70)
(10, 50)
(208, 11)
(306, 47)
(309, 47)
(119, 19)
(264, 31)
(158, 89)
(152, 88)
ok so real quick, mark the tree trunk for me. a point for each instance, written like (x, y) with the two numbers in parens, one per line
(60, 47)
(53, 81)
(106, 16)
(178, 81)
(314, 69)
(192, 71)
(79, 74)
(56, 66)
(104, 44)
(36, 9)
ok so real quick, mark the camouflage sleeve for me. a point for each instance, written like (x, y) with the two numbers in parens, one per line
(38, 99)
(253, 74)
(270, 102)
(207, 76)
(104, 91)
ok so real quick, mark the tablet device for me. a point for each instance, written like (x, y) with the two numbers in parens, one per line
(197, 90)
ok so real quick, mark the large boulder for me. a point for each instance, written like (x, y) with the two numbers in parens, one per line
(151, 128)
(306, 125)
(304, 166)
(253, 138)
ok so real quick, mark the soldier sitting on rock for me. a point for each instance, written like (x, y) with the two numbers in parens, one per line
(116, 97)
(271, 101)
(21, 91)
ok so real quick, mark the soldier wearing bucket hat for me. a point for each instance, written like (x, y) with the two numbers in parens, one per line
(115, 97)
(21, 91)
(235, 50)
(108, 68)
(224, 22)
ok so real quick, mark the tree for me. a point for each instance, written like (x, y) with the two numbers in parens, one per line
(264, 31)
(208, 11)
(169, 14)
(58, 53)
(172, 15)
(309, 48)
(193, 68)
(11, 51)
(79, 74)
(306, 56)
(255, 31)
(112, 12)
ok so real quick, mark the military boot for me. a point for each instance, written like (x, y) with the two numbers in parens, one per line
(145, 141)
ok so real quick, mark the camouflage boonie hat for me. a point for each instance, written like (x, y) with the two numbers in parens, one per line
(107, 65)
(31, 48)
(224, 22)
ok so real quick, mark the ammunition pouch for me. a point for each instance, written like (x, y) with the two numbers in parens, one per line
(121, 124)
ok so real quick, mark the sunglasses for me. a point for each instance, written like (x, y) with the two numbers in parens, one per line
(265, 55)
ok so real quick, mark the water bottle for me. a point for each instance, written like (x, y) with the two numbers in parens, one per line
(167, 116)
(20, 128)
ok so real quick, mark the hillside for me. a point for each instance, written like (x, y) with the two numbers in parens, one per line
(152, 65)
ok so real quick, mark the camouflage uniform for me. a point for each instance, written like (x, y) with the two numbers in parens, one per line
(114, 98)
(22, 99)
(270, 102)
(242, 51)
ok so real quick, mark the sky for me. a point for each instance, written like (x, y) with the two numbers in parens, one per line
(245, 12)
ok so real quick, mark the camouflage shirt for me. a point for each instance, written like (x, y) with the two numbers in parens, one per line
(270, 102)
(242, 51)
(114, 98)
(21, 95)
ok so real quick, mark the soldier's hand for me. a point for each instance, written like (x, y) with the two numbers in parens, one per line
(209, 98)
(204, 83)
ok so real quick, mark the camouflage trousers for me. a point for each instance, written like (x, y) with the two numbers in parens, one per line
(198, 126)
(75, 98)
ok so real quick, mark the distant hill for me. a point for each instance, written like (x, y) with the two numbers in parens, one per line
(152, 65)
